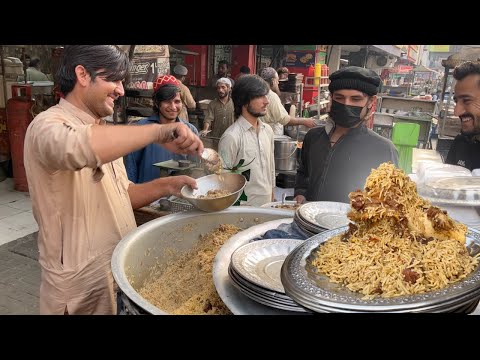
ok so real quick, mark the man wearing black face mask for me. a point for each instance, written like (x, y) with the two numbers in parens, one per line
(336, 159)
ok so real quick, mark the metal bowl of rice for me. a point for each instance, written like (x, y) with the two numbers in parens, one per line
(232, 184)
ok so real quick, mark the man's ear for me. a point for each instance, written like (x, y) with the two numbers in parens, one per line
(82, 75)
(371, 102)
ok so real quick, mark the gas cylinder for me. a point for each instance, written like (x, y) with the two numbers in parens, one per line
(4, 144)
(18, 118)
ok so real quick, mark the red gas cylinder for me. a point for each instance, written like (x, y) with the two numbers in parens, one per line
(18, 118)
(4, 144)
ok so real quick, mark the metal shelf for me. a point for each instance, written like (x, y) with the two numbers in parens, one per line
(313, 78)
(315, 105)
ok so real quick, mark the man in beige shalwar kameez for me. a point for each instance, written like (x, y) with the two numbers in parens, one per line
(81, 197)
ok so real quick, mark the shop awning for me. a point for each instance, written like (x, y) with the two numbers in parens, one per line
(388, 49)
(422, 68)
(466, 54)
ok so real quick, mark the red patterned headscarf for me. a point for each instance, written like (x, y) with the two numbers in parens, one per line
(163, 80)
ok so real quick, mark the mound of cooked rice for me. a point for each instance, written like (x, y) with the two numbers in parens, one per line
(185, 286)
(399, 244)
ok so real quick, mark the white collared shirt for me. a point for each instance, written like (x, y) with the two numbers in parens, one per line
(241, 141)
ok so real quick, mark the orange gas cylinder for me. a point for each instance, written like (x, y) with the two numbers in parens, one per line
(18, 118)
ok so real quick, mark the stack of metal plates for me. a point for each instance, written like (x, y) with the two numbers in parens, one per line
(314, 291)
(318, 216)
(255, 272)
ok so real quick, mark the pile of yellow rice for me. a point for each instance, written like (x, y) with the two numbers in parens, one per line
(397, 243)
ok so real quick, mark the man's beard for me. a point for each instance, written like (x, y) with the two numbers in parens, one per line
(222, 95)
(255, 114)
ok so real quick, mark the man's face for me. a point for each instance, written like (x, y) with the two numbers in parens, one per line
(275, 82)
(101, 94)
(258, 106)
(283, 76)
(353, 98)
(222, 90)
(467, 99)
(222, 70)
(169, 109)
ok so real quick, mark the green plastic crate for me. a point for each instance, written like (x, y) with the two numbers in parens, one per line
(405, 138)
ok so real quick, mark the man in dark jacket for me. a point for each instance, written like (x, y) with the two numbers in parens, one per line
(336, 159)
(465, 150)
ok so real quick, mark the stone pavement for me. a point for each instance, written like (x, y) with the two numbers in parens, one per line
(19, 276)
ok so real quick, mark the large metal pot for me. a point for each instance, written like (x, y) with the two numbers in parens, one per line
(151, 244)
(42, 87)
(285, 153)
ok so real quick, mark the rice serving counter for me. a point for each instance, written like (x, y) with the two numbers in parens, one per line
(163, 240)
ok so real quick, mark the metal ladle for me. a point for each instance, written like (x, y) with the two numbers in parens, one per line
(209, 157)
(211, 160)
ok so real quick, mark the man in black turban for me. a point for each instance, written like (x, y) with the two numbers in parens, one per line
(336, 159)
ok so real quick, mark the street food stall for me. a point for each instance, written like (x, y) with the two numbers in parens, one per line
(424, 80)
(411, 110)
(222, 263)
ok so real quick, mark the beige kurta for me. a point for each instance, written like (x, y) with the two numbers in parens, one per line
(276, 115)
(187, 101)
(82, 209)
(219, 116)
(241, 141)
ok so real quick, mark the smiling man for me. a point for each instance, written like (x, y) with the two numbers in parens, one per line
(167, 106)
(81, 197)
(465, 150)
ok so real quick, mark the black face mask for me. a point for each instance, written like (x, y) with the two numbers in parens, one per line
(345, 116)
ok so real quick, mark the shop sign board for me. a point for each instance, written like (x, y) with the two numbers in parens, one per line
(145, 68)
(439, 48)
(297, 58)
(301, 47)
(412, 53)
(402, 69)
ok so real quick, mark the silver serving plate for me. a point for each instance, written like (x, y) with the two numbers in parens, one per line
(314, 291)
(233, 183)
(325, 214)
(262, 297)
(307, 227)
(260, 262)
(237, 302)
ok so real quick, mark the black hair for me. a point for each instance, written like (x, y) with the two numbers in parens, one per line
(465, 69)
(245, 69)
(34, 62)
(166, 92)
(224, 62)
(109, 58)
(247, 88)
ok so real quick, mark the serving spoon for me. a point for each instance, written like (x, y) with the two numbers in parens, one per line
(211, 160)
